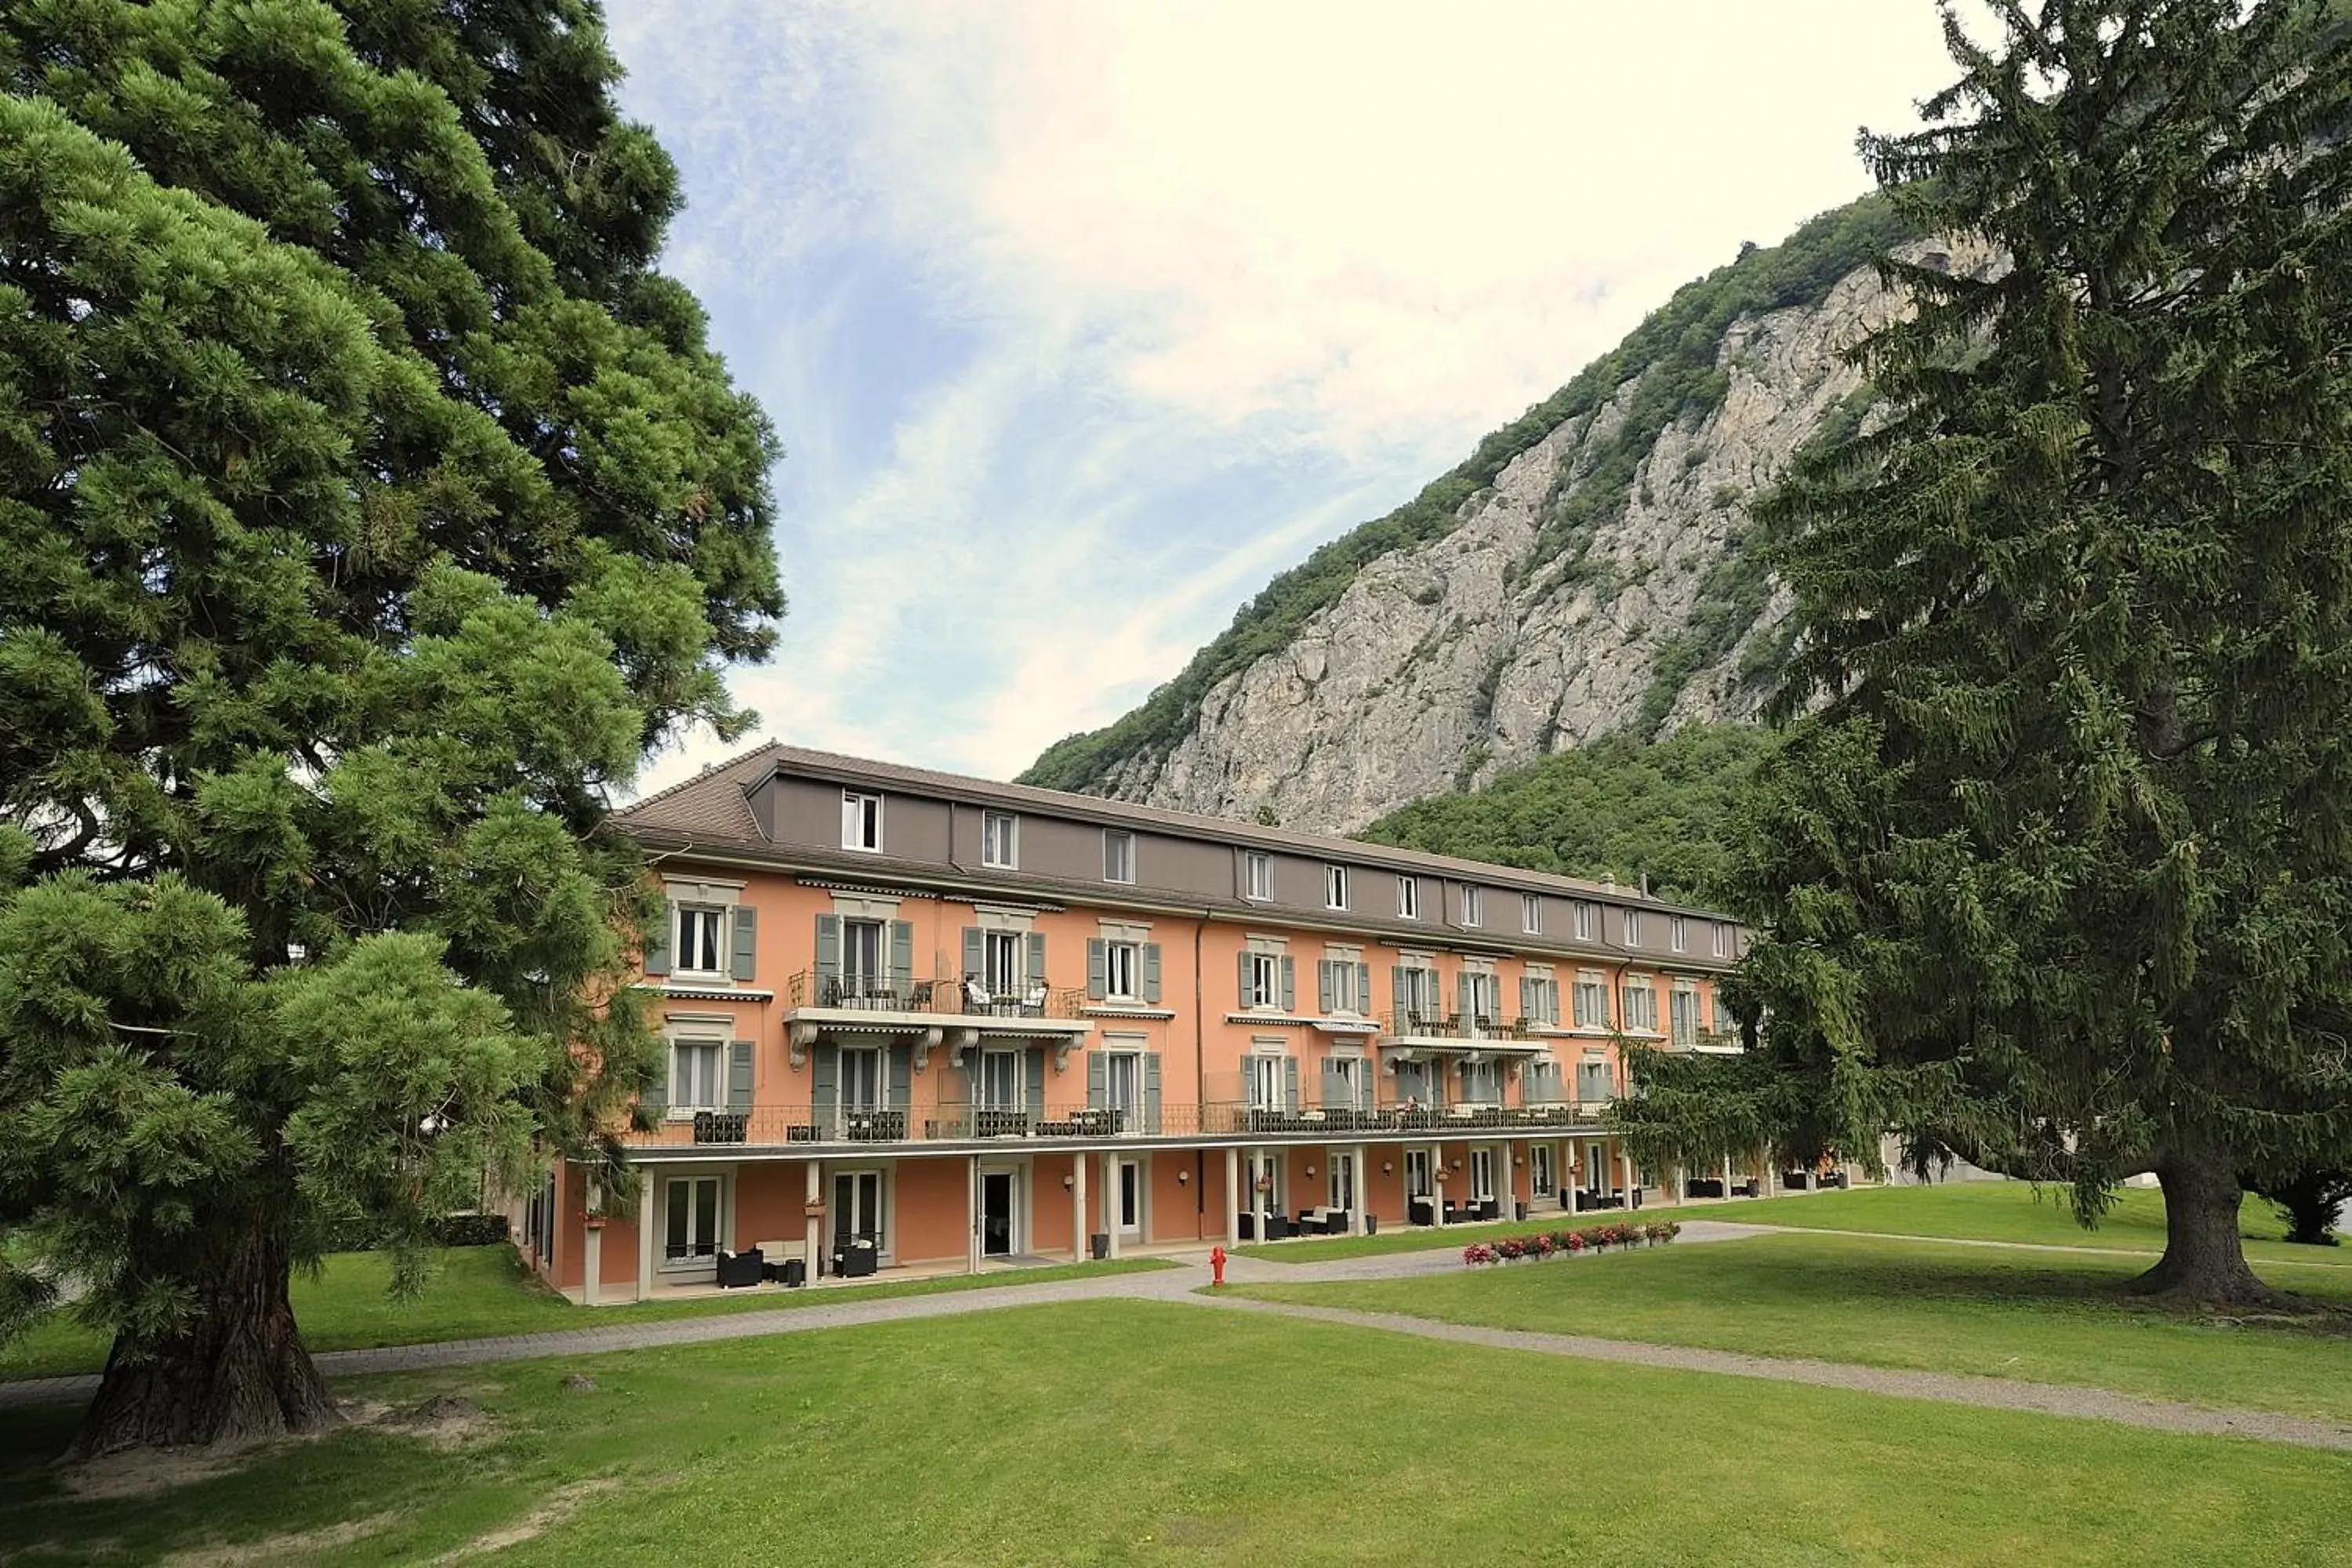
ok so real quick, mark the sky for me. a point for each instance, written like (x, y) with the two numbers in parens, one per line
(1080, 321)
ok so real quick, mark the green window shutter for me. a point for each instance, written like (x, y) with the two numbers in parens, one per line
(1323, 986)
(1289, 984)
(1036, 1065)
(741, 950)
(1097, 966)
(1151, 1091)
(828, 956)
(901, 1080)
(1246, 999)
(1290, 1083)
(1335, 1087)
(657, 943)
(824, 1077)
(656, 1098)
(738, 1076)
(1037, 957)
(975, 959)
(1151, 973)
(1364, 987)
(1526, 997)
(1396, 988)
(1462, 993)
(1098, 1080)
(902, 957)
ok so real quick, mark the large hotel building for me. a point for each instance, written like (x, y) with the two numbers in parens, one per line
(920, 1021)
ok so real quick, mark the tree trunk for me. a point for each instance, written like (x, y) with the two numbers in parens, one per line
(2204, 1260)
(238, 1373)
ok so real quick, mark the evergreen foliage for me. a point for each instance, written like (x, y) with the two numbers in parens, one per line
(1668, 372)
(370, 506)
(1618, 807)
(2059, 876)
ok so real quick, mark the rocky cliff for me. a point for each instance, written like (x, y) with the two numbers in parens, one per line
(1585, 573)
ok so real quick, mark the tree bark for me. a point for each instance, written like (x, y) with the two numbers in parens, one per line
(238, 1373)
(2204, 1260)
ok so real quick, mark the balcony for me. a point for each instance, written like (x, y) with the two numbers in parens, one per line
(797, 1129)
(958, 1012)
(1460, 1032)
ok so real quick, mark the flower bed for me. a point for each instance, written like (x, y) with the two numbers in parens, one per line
(1545, 1243)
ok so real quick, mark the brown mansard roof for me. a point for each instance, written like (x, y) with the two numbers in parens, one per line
(713, 808)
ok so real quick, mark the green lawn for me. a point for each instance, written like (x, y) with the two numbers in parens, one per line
(480, 1292)
(1989, 1211)
(2047, 1317)
(1127, 1432)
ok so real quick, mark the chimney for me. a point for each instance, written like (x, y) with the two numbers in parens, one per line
(1645, 884)
(1609, 880)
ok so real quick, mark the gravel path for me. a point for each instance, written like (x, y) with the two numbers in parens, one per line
(1184, 1284)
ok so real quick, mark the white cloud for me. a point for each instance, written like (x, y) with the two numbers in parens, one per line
(1197, 286)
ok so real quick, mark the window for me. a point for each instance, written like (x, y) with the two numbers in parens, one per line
(1417, 990)
(1640, 1008)
(864, 977)
(1531, 914)
(1684, 1016)
(1482, 1173)
(700, 928)
(1540, 1000)
(1722, 937)
(1257, 876)
(1481, 995)
(696, 1078)
(1408, 897)
(1000, 1081)
(1268, 1083)
(1678, 934)
(1119, 855)
(1591, 1001)
(1346, 1088)
(1123, 1080)
(1633, 928)
(1482, 1083)
(690, 1216)
(1001, 961)
(1342, 985)
(1544, 1079)
(861, 1086)
(1343, 1188)
(1334, 887)
(1262, 984)
(1000, 839)
(861, 821)
(1469, 906)
(1595, 1084)
(1539, 1176)
(1416, 1173)
(1588, 919)
(1122, 967)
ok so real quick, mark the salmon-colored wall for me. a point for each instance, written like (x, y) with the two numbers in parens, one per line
(931, 1211)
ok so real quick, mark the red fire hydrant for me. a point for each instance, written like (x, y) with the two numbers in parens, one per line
(1217, 1265)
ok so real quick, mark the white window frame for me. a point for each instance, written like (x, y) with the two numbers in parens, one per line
(1121, 868)
(1470, 902)
(1122, 955)
(709, 1096)
(683, 951)
(1721, 935)
(1544, 991)
(1334, 887)
(1127, 1095)
(1408, 897)
(1590, 984)
(1008, 980)
(1000, 840)
(1531, 914)
(1265, 980)
(1586, 919)
(721, 1220)
(1339, 1179)
(1675, 1007)
(1678, 933)
(1541, 1178)
(1257, 876)
(1010, 1063)
(1419, 1182)
(1647, 1023)
(1344, 1000)
(880, 1059)
(1350, 1071)
(859, 811)
(856, 980)
(1633, 928)
(1268, 1085)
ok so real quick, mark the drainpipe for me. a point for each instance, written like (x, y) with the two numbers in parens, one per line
(1199, 1078)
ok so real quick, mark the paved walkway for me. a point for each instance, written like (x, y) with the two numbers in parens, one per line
(1183, 1284)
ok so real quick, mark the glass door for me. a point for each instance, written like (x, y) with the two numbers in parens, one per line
(857, 1208)
(1130, 1197)
(689, 1219)
(1343, 1181)
(1482, 1174)
(1416, 1173)
(998, 1193)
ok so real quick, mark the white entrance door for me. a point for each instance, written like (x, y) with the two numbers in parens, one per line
(1000, 1192)
(1596, 1169)
(1343, 1181)
(1130, 1197)
(1416, 1173)
(1482, 1174)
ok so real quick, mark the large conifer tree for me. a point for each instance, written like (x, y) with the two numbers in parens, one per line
(2056, 874)
(369, 506)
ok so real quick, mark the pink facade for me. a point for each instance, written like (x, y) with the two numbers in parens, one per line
(965, 1020)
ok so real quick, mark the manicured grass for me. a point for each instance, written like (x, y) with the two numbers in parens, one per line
(1987, 1211)
(1143, 1432)
(482, 1292)
(2043, 1316)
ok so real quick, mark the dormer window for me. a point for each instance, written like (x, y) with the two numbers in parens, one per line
(1334, 887)
(1408, 897)
(1531, 914)
(861, 821)
(1469, 906)
(1257, 876)
(1000, 840)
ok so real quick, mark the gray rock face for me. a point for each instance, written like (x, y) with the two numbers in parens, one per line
(1492, 646)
